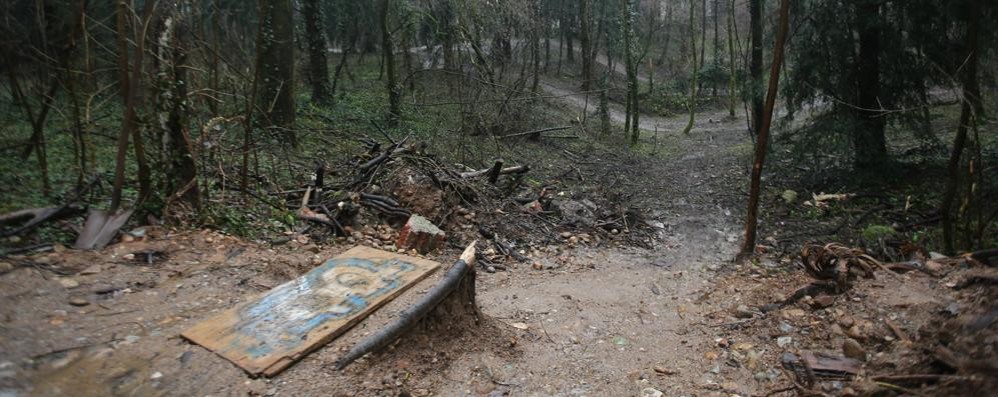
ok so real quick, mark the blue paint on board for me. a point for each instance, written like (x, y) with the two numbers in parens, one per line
(283, 317)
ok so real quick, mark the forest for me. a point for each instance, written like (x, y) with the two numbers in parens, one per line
(499, 197)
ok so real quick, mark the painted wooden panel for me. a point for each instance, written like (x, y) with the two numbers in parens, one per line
(271, 332)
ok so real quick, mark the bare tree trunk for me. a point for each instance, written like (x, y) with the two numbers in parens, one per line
(869, 142)
(667, 35)
(968, 119)
(315, 36)
(586, 42)
(692, 103)
(751, 216)
(129, 127)
(717, 47)
(625, 22)
(732, 82)
(388, 57)
(703, 32)
(277, 67)
(755, 65)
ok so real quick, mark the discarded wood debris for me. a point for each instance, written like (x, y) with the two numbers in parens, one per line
(450, 282)
(268, 334)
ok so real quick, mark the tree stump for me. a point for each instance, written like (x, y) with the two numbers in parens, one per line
(446, 307)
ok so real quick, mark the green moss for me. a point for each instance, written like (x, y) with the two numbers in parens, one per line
(876, 232)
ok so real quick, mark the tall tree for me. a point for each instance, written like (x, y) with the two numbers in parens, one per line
(315, 36)
(388, 58)
(630, 64)
(752, 214)
(277, 66)
(755, 64)
(732, 82)
(172, 112)
(970, 101)
(868, 140)
(691, 104)
(586, 43)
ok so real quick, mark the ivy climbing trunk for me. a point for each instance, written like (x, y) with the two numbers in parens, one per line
(277, 67)
(315, 36)
(968, 118)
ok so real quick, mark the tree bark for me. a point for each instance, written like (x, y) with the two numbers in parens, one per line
(692, 103)
(388, 58)
(732, 82)
(277, 67)
(751, 216)
(315, 36)
(181, 170)
(968, 118)
(870, 147)
(586, 43)
(755, 64)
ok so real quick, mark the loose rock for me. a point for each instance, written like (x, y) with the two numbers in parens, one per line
(852, 349)
(78, 302)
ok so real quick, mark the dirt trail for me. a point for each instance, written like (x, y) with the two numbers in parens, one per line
(597, 322)
(613, 315)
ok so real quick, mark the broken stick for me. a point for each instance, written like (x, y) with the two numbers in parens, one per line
(448, 284)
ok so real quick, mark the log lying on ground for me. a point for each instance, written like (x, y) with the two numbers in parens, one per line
(519, 169)
(33, 217)
(383, 204)
(462, 273)
(536, 133)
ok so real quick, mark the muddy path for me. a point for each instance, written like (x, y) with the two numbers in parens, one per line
(590, 321)
(611, 317)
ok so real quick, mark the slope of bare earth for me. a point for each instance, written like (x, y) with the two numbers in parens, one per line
(579, 319)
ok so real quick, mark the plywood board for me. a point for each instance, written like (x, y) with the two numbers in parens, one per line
(271, 332)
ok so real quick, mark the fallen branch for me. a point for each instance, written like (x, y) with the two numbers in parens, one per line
(34, 217)
(519, 169)
(536, 132)
(448, 284)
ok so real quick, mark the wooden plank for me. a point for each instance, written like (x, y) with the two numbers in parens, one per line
(269, 333)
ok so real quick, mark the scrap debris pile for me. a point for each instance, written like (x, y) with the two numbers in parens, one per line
(378, 196)
(860, 327)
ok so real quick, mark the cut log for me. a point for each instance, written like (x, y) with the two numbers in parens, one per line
(536, 133)
(519, 169)
(458, 284)
(421, 235)
(33, 217)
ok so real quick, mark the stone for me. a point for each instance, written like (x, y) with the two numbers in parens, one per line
(651, 392)
(576, 213)
(421, 235)
(93, 269)
(68, 283)
(663, 370)
(743, 311)
(785, 328)
(6, 267)
(823, 301)
(794, 312)
(852, 349)
(78, 302)
(783, 341)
